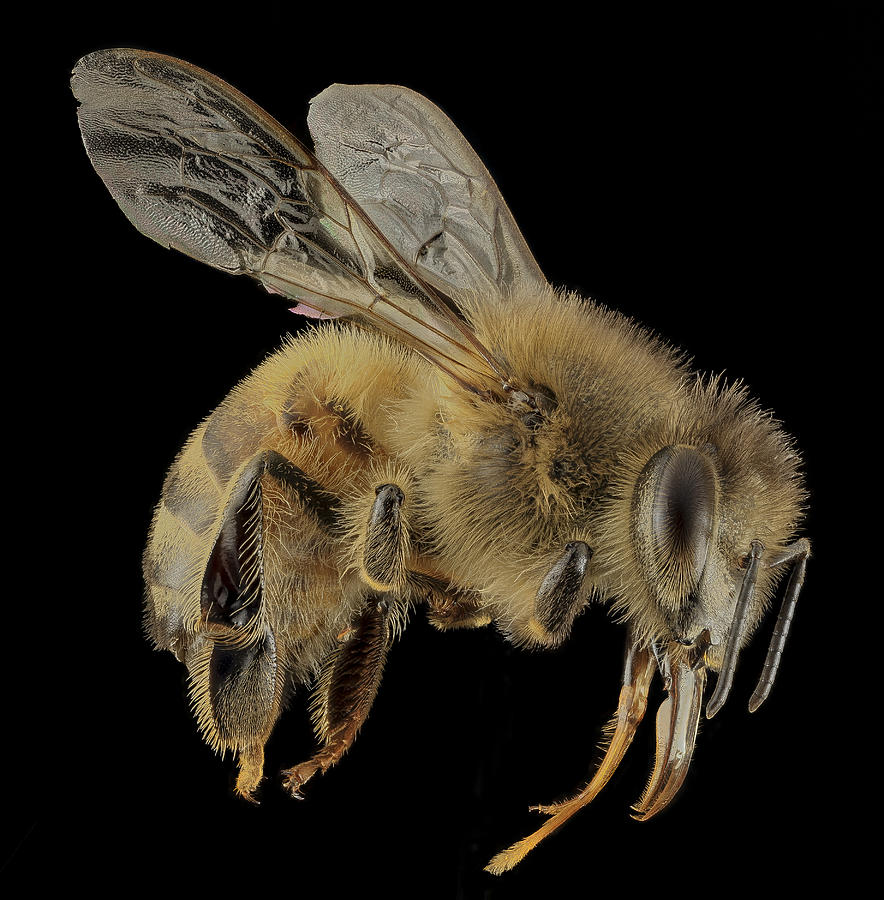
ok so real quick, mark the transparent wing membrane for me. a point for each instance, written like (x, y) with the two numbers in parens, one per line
(417, 177)
(197, 166)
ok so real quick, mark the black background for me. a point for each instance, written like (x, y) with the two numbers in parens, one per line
(699, 175)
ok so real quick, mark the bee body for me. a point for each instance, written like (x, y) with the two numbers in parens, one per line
(473, 443)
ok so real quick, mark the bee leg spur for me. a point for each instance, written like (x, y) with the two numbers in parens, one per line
(385, 550)
(559, 598)
(346, 690)
(638, 673)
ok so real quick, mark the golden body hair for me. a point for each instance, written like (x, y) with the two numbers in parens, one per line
(491, 492)
(473, 443)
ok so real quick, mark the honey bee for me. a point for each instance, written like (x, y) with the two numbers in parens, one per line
(457, 436)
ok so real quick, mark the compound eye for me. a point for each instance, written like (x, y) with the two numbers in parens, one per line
(674, 515)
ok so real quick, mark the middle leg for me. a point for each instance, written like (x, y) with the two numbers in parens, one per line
(346, 690)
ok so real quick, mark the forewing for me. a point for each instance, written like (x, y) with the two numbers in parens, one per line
(197, 166)
(419, 180)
